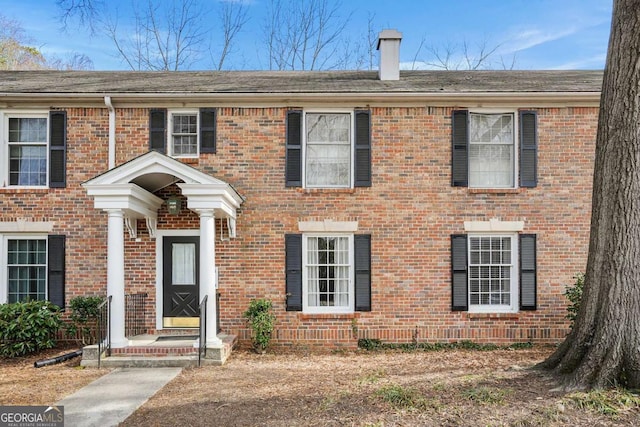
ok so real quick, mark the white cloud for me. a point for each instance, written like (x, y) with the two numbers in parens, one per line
(526, 39)
(593, 62)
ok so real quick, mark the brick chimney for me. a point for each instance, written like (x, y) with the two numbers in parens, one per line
(389, 47)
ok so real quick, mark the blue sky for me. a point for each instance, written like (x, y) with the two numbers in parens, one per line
(542, 34)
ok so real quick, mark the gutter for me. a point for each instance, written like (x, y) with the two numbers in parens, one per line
(281, 99)
(112, 132)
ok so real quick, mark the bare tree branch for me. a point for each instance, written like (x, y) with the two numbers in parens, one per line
(304, 35)
(168, 38)
(233, 16)
(87, 12)
(74, 61)
(463, 56)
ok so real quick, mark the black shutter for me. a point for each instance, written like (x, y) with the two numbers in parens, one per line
(57, 149)
(55, 269)
(293, 254)
(459, 148)
(459, 272)
(362, 256)
(207, 130)
(362, 161)
(528, 149)
(294, 149)
(158, 130)
(528, 281)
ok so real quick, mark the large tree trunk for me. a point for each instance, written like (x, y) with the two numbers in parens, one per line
(603, 348)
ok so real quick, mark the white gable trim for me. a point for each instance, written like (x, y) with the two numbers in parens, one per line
(121, 189)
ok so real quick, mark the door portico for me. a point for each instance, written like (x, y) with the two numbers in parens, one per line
(126, 194)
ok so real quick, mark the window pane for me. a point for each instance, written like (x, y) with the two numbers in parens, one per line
(28, 129)
(491, 158)
(490, 270)
(27, 165)
(27, 270)
(328, 128)
(183, 268)
(328, 272)
(328, 150)
(328, 165)
(184, 134)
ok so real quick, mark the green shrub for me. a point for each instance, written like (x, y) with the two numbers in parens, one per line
(27, 327)
(261, 320)
(574, 295)
(84, 316)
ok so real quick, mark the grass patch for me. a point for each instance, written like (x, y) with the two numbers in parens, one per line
(402, 397)
(611, 402)
(373, 377)
(376, 344)
(486, 395)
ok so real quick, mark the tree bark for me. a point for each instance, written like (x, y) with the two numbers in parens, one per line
(603, 349)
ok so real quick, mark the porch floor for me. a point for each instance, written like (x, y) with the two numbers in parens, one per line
(160, 351)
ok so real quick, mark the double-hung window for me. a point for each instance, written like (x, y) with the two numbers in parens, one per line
(34, 149)
(493, 272)
(26, 269)
(182, 133)
(32, 267)
(492, 268)
(327, 273)
(494, 149)
(328, 149)
(27, 138)
(491, 150)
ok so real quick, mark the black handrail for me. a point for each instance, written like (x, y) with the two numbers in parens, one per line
(203, 329)
(104, 328)
(135, 309)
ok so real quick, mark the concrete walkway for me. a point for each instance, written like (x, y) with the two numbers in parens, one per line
(110, 399)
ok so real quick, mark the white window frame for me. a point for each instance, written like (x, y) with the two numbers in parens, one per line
(516, 143)
(4, 152)
(4, 264)
(189, 112)
(351, 143)
(514, 280)
(306, 308)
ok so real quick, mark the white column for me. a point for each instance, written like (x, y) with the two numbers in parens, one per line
(115, 276)
(207, 273)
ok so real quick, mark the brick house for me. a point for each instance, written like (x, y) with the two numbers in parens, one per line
(436, 205)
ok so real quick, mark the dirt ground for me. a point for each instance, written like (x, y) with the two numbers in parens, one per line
(22, 384)
(386, 388)
(446, 388)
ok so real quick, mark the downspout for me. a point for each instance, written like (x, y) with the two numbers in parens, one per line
(112, 132)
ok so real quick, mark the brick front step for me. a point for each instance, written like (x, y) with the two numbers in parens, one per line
(148, 351)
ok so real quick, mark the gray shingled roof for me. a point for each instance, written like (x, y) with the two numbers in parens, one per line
(266, 82)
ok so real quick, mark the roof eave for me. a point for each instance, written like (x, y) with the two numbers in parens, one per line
(300, 98)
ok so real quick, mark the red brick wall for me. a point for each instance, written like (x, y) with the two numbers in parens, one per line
(411, 210)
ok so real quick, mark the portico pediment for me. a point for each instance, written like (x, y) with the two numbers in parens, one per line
(130, 187)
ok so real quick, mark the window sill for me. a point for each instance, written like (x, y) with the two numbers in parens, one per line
(495, 190)
(489, 316)
(328, 316)
(326, 190)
